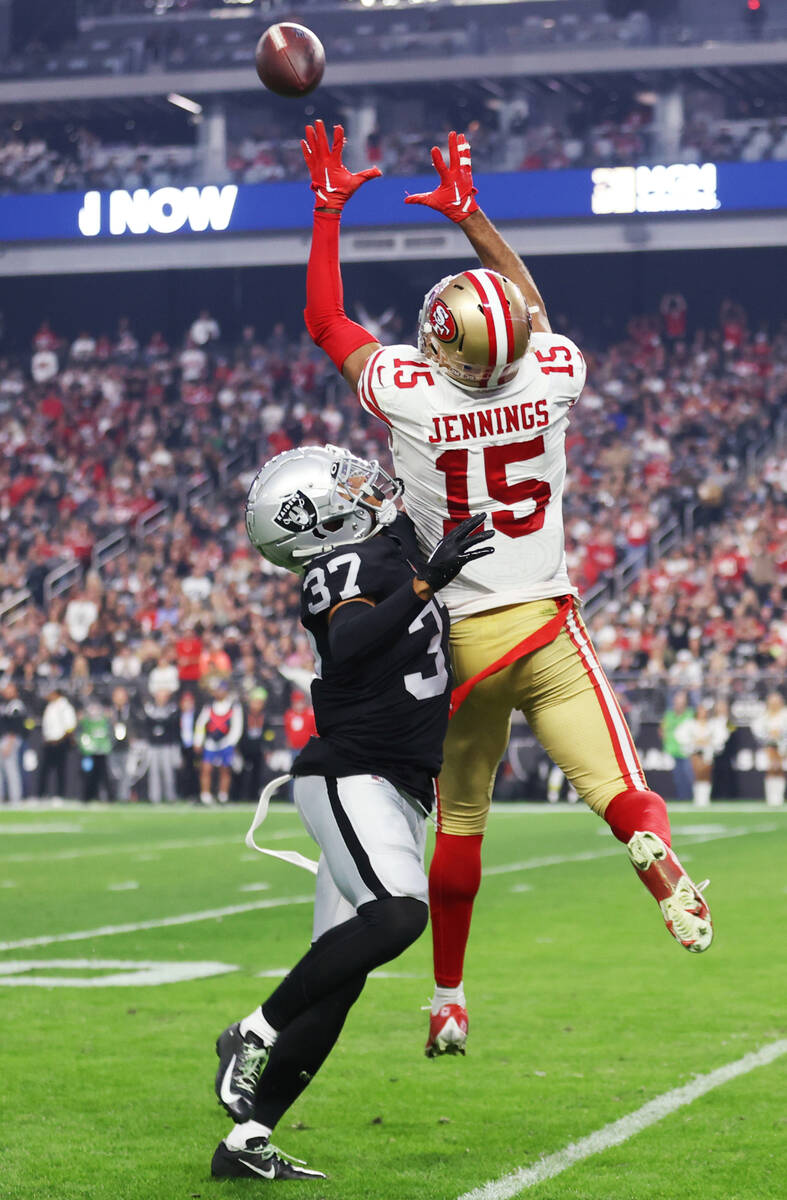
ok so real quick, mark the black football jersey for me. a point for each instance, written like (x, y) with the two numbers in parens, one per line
(385, 714)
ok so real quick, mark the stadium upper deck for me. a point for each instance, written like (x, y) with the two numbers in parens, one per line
(143, 37)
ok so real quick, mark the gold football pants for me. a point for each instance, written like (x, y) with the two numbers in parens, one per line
(566, 699)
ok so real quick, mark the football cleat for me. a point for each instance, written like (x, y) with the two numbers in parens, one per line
(447, 1031)
(683, 906)
(258, 1160)
(241, 1062)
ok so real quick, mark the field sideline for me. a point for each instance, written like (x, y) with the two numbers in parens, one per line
(604, 1062)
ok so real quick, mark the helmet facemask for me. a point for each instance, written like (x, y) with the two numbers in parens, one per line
(361, 502)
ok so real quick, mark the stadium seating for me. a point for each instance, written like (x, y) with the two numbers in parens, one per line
(106, 476)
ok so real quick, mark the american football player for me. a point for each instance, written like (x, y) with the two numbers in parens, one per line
(477, 415)
(364, 786)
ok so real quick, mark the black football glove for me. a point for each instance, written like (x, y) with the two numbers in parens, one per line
(456, 550)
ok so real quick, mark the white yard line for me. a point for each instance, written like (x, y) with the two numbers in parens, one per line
(556, 860)
(123, 848)
(142, 847)
(158, 923)
(36, 829)
(620, 1131)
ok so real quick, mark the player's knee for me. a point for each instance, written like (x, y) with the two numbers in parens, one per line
(398, 921)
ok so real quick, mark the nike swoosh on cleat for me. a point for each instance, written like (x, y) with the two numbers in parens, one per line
(227, 1095)
(266, 1174)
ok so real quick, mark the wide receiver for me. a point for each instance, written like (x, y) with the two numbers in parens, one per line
(477, 416)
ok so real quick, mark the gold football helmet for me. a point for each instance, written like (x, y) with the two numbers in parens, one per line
(476, 328)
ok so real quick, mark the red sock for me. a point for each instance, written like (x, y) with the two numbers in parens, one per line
(454, 880)
(634, 812)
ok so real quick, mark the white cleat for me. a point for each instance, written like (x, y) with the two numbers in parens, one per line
(683, 906)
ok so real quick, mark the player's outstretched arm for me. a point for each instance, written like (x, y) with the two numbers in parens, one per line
(454, 197)
(359, 627)
(346, 343)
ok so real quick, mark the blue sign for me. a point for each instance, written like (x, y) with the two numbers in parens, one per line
(506, 196)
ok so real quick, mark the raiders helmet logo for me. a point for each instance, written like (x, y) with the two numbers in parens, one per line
(442, 322)
(297, 513)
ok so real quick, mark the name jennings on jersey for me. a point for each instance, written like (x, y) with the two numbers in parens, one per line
(460, 451)
(384, 713)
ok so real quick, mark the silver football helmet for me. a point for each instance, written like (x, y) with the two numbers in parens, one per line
(306, 502)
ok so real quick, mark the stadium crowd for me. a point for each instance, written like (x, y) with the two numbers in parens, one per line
(78, 159)
(119, 37)
(104, 437)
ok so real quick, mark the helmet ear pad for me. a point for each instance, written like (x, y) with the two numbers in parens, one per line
(476, 328)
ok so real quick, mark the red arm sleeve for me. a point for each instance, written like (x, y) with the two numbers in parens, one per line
(326, 320)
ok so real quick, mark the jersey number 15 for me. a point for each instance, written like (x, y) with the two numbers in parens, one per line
(497, 459)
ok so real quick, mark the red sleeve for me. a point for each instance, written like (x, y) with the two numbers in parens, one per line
(326, 320)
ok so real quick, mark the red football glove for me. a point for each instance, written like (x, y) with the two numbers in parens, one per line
(455, 195)
(332, 183)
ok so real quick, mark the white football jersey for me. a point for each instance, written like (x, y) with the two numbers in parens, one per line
(461, 452)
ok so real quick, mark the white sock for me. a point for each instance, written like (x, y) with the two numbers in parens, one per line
(206, 797)
(701, 793)
(240, 1135)
(223, 797)
(256, 1023)
(774, 790)
(446, 995)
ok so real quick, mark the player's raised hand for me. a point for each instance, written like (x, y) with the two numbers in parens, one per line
(332, 183)
(455, 551)
(455, 195)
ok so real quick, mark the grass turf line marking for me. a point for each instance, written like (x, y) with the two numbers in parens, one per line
(141, 847)
(158, 923)
(556, 860)
(620, 1131)
(135, 848)
(36, 829)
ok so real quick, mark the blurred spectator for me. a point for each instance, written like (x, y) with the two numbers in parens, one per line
(299, 724)
(165, 677)
(204, 329)
(188, 650)
(216, 735)
(58, 723)
(188, 786)
(121, 715)
(160, 727)
(81, 612)
(257, 737)
(770, 727)
(704, 736)
(13, 714)
(675, 726)
(94, 742)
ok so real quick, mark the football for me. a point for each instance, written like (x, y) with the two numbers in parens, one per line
(290, 59)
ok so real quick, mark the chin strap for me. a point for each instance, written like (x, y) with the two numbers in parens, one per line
(290, 856)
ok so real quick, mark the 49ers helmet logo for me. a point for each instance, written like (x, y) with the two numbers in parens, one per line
(297, 513)
(442, 322)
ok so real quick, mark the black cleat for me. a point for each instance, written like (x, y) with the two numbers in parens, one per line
(241, 1062)
(258, 1160)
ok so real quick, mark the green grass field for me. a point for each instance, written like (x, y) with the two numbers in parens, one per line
(582, 1009)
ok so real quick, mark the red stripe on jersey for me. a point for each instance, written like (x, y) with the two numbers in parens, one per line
(369, 396)
(496, 284)
(490, 320)
(632, 774)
